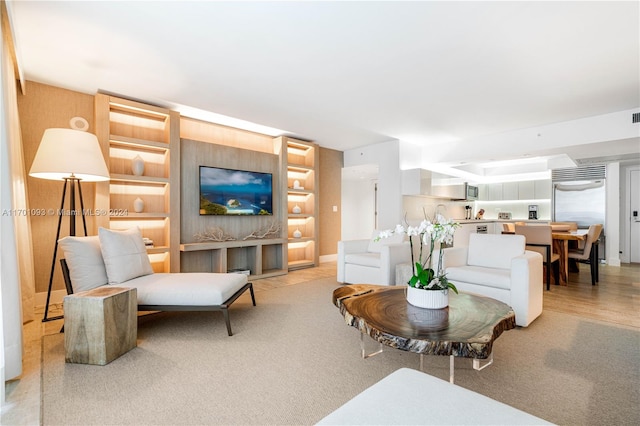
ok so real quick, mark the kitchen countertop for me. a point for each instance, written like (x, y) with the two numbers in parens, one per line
(501, 220)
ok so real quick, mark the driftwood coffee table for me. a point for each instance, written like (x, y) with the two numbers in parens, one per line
(467, 328)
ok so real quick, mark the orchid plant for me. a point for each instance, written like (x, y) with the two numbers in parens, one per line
(430, 233)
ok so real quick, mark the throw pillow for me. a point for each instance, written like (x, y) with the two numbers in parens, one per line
(84, 259)
(124, 253)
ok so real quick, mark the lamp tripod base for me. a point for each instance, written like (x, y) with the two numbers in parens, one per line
(71, 180)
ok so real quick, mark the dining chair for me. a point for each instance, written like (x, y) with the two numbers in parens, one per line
(571, 226)
(538, 239)
(588, 252)
(508, 228)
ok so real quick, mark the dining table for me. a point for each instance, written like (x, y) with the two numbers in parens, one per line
(561, 241)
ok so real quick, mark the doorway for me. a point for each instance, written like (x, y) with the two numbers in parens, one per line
(634, 216)
(359, 201)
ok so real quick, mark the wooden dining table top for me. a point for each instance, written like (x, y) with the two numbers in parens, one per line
(580, 234)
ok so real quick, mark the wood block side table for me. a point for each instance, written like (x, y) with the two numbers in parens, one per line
(100, 324)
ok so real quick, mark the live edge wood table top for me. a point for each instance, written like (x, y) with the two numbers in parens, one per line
(467, 328)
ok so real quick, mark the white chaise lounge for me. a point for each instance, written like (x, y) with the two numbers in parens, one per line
(120, 258)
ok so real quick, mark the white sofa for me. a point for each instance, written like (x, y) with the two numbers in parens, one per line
(120, 258)
(498, 266)
(399, 399)
(372, 261)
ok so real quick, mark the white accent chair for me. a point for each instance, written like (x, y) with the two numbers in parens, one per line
(498, 266)
(372, 261)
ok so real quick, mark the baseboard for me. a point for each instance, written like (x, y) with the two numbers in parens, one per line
(613, 262)
(329, 258)
(57, 296)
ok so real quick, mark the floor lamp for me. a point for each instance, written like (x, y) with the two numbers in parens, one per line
(72, 156)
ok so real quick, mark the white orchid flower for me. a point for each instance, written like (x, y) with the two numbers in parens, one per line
(385, 234)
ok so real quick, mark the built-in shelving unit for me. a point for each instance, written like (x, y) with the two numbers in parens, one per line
(300, 166)
(126, 130)
(262, 258)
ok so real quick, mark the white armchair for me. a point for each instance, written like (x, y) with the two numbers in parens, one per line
(498, 266)
(370, 261)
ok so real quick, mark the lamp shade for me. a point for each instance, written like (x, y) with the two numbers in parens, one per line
(66, 152)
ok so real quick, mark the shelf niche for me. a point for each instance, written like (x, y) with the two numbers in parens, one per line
(299, 163)
(263, 258)
(127, 129)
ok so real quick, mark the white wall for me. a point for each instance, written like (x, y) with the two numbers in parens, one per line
(612, 218)
(386, 156)
(358, 209)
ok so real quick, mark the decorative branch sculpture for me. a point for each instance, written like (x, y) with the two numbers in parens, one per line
(213, 234)
(273, 230)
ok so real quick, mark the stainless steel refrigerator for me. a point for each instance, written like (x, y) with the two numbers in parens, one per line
(583, 202)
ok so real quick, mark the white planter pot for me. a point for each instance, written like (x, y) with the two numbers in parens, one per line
(429, 299)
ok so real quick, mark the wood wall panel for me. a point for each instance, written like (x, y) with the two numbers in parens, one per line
(44, 107)
(223, 135)
(194, 154)
(331, 163)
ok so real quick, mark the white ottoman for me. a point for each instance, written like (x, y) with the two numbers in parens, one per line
(389, 402)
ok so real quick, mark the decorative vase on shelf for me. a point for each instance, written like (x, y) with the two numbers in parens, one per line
(296, 183)
(138, 205)
(297, 233)
(429, 299)
(296, 209)
(137, 165)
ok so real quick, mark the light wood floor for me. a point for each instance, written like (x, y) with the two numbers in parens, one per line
(615, 299)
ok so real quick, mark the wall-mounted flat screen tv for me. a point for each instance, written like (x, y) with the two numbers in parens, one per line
(235, 192)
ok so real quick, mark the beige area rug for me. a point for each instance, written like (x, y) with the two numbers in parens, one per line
(293, 360)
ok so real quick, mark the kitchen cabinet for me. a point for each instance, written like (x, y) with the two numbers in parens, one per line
(507, 191)
(543, 189)
(534, 190)
(461, 236)
(494, 192)
(526, 190)
(483, 192)
(510, 191)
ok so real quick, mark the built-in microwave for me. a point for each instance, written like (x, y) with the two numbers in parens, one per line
(471, 192)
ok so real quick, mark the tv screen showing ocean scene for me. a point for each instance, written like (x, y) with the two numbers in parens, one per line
(235, 192)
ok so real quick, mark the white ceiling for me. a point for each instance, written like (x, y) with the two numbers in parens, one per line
(351, 74)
